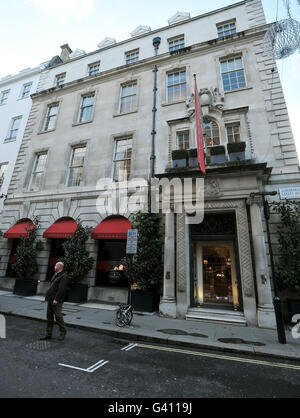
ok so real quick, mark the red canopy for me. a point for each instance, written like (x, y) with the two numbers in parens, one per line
(20, 230)
(113, 228)
(64, 228)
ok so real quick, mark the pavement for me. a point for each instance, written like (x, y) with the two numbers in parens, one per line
(100, 317)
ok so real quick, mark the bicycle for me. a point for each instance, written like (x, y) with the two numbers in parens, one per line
(124, 315)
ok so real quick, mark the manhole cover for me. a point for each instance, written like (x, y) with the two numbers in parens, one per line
(173, 331)
(239, 341)
(39, 345)
(194, 334)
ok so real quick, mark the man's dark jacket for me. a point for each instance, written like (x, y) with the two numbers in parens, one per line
(58, 287)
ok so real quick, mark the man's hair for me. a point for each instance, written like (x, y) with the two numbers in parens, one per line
(61, 263)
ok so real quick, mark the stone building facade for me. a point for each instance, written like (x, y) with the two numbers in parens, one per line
(91, 119)
(15, 105)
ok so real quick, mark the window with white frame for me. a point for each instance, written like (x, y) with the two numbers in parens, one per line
(122, 159)
(226, 29)
(26, 90)
(4, 97)
(176, 86)
(183, 140)
(94, 68)
(75, 172)
(233, 75)
(132, 56)
(128, 98)
(14, 128)
(86, 108)
(60, 79)
(51, 116)
(233, 132)
(38, 172)
(211, 133)
(3, 168)
(175, 44)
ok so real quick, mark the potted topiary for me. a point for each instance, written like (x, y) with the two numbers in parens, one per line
(179, 157)
(288, 266)
(147, 266)
(77, 263)
(236, 151)
(26, 264)
(217, 154)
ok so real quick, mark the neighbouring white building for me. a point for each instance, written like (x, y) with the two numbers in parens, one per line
(15, 106)
(92, 118)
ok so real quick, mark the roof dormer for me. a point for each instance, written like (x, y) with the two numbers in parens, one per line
(140, 30)
(179, 17)
(106, 42)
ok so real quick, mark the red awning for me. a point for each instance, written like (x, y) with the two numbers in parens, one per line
(113, 228)
(63, 228)
(20, 230)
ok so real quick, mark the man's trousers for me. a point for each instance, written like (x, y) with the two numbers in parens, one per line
(55, 311)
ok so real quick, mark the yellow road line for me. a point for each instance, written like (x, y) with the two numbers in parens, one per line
(221, 357)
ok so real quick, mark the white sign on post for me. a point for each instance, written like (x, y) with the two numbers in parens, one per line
(132, 239)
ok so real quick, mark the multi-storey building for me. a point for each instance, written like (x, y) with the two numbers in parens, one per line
(92, 118)
(15, 105)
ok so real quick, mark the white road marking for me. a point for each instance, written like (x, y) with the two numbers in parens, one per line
(222, 357)
(90, 369)
(128, 347)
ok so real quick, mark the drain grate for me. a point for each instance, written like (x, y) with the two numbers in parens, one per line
(239, 341)
(39, 345)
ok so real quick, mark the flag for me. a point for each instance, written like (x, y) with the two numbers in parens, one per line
(199, 133)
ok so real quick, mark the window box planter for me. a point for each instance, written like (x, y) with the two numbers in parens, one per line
(77, 293)
(144, 300)
(236, 151)
(179, 158)
(25, 287)
(193, 158)
(217, 154)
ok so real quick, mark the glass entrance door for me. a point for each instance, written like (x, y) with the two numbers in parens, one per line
(215, 279)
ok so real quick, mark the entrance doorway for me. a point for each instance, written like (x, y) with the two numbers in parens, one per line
(215, 281)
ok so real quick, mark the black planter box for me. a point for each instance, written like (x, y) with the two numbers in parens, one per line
(25, 287)
(77, 293)
(143, 300)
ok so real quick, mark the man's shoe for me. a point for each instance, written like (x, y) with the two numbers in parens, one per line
(61, 337)
(47, 337)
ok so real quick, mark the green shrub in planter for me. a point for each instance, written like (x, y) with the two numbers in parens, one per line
(217, 154)
(217, 150)
(236, 147)
(236, 151)
(179, 158)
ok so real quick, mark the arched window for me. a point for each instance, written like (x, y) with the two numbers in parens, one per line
(212, 134)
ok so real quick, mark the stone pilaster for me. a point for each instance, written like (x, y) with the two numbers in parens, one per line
(167, 305)
(265, 309)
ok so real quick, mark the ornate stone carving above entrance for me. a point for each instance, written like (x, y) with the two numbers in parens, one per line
(209, 99)
(211, 187)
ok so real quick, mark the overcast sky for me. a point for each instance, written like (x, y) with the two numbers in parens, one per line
(32, 31)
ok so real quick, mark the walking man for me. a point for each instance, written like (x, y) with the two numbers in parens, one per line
(55, 297)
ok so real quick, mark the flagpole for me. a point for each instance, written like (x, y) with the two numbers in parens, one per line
(199, 133)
